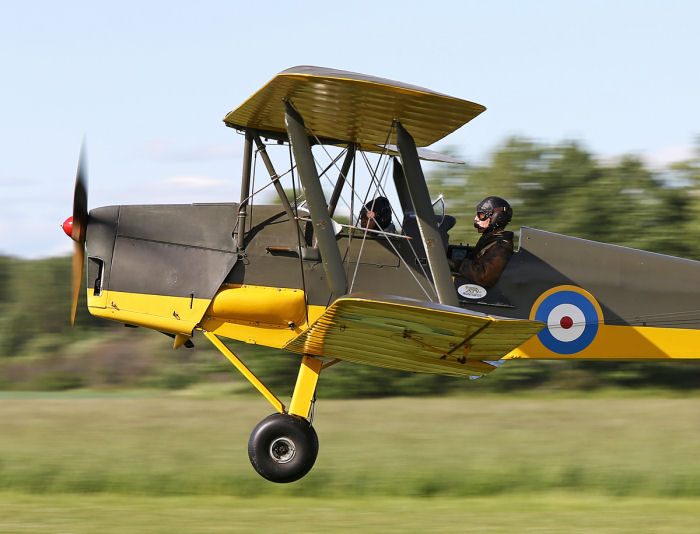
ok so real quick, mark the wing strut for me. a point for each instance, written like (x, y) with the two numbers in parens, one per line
(401, 189)
(278, 186)
(323, 228)
(349, 157)
(425, 216)
(245, 189)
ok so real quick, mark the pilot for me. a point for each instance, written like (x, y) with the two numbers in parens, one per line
(485, 261)
(376, 215)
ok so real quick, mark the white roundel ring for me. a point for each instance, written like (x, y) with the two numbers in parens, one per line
(566, 322)
(572, 316)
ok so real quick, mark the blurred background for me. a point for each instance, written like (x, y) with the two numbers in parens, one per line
(591, 130)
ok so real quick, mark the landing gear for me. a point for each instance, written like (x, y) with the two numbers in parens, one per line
(283, 448)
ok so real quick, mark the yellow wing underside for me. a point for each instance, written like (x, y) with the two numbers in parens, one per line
(351, 107)
(412, 336)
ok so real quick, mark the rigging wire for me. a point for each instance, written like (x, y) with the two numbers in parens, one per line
(271, 182)
(385, 151)
(410, 243)
(381, 230)
(374, 179)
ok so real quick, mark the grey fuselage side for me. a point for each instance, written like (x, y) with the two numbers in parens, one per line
(172, 250)
(185, 250)
(633, 287)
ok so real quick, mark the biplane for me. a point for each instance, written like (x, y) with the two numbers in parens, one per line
(288, 275)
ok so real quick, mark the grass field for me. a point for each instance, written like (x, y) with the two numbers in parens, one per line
(542, 513)
(498, 464)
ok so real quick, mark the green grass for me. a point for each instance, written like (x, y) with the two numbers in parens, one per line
(83, 462)
(456, 447)
(545, 513)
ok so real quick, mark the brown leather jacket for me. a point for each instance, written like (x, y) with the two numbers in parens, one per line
(485, 261)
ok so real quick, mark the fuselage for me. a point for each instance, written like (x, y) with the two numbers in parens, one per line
(176, 268)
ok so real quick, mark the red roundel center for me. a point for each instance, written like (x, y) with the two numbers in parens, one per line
(566, 322)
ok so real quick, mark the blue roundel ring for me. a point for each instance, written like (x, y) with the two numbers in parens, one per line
(572, 317)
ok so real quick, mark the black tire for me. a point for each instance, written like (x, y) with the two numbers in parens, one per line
(283, 448)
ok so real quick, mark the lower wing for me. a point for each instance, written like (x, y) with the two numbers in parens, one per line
(412, 335)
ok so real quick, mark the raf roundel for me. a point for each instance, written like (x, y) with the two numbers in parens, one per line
(572, 316)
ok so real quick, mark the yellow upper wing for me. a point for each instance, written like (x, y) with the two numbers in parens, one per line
(351, 107)
(412, 335)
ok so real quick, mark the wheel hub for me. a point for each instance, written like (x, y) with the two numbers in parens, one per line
(282, 450)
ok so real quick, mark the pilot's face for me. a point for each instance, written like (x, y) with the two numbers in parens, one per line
(481, 222)
(367, 221)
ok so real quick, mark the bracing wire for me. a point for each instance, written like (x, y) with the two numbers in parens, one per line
(268, 184)
(410, 244)
(374, 179)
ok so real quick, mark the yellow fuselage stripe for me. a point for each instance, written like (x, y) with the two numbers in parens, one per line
(181, 315)
(614, 342)
(261, 315)
(176, 315)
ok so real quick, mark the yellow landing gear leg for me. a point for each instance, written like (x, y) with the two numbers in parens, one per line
(305, 387)
(283, 446)
(257, 384)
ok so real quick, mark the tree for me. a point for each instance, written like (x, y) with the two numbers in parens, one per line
(562, 188)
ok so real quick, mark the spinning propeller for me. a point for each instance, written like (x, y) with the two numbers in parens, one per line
(75, 227)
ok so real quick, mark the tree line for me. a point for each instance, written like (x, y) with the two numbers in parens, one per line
(564, 188)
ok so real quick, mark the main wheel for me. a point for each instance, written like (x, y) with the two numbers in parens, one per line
(283, 448)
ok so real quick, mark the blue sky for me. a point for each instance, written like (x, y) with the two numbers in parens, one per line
(148, 84)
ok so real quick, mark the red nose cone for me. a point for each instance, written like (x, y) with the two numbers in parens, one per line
(68, 226)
